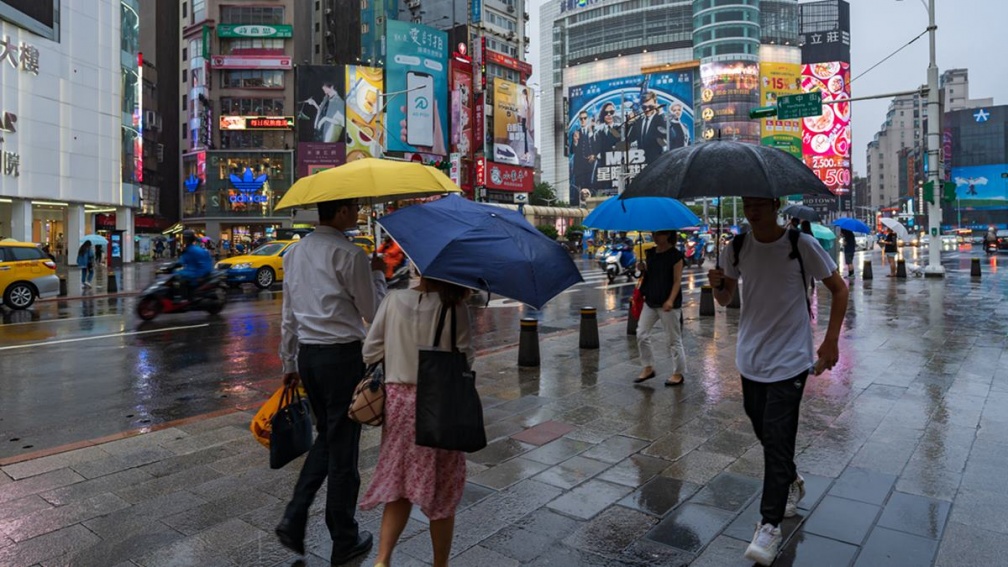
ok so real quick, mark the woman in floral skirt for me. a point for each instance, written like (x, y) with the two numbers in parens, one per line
(409, 474)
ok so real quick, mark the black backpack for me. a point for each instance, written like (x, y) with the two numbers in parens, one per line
(793, 236)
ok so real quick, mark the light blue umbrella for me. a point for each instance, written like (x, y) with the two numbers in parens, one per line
(821, 232)
(95, 240)
(852, 225)
(642, 213)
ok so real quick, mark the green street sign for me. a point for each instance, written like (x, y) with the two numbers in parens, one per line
(790, 107)
(762, 112)
(255, 30)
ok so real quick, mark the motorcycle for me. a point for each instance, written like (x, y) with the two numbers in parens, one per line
(400, 276)
(990, 246)
(160, 296)
(620, 260)
(694, 252)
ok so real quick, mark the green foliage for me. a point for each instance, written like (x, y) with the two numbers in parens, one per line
(549, 231)
(543, 194)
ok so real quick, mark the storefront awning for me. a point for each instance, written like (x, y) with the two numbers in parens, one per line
(174, 229)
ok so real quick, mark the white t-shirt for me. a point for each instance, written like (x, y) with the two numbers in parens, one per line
(775, 333)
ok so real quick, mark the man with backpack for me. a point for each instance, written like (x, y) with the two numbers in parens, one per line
(775, 352)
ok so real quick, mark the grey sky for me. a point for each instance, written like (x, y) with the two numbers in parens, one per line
(970, 34)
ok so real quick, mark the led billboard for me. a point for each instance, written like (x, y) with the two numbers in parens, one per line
(729, 90)
(416, 74)
(826, 139)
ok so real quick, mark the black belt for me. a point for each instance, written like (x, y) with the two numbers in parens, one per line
(331, 346)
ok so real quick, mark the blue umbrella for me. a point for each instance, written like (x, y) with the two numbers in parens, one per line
(95, 239)
(852, 225)
(643, 213)
(482, 247)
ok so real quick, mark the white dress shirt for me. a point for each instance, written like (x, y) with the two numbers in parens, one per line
(406, 322)
(329, 290)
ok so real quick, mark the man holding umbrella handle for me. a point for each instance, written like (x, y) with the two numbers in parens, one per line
(775, 349)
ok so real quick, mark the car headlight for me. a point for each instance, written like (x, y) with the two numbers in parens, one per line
(241, 266)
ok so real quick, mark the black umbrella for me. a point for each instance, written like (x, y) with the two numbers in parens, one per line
(723, 168)
(801, 212)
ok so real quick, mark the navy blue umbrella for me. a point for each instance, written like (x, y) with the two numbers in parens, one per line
(482, 247)
(852, 225)
(644, 213)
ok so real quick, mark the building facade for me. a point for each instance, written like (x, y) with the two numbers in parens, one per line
(71, 118)
(975, 145)
(238, 118)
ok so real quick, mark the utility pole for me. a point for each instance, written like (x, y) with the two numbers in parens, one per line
(934, 267)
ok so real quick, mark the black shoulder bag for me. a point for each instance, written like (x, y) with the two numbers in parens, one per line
(449, 414)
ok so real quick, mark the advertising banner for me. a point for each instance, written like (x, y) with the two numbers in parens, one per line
(616, 128)
(982, 186)
(501, 177)
(256, 122)
(321, 118)
(514, 120)
(461, 107)
(479, 125)
(729, 90)
(250, 62)
(508, 61)
(826, 139)
(365, 127)
(255, 30)
(417, 77)
(778, 79)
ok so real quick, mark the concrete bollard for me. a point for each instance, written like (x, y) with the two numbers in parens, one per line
(706, 301)
(736, 300)
(901, 268)
(866, 272)
(528, 343)
(589, 329)
(975, 267)
(111, 286)
(63, 287)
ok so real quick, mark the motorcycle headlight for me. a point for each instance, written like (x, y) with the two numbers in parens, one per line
(242, 266)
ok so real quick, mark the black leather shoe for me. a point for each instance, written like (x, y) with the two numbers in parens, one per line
(363, 545)
(291, 536)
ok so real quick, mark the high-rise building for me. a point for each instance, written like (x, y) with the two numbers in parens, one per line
(975, 146)
(57, 175)
(238, 118)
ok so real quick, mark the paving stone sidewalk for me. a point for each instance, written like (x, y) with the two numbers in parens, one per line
(903, 447)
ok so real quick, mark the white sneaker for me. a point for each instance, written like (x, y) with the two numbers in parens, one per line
(765, 544)
(85, 284)
(795, 493)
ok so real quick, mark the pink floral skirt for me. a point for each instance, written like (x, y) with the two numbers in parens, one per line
(430, 478)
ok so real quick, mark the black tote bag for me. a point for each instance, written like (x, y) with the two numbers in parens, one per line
(449, 414)
(291, 433)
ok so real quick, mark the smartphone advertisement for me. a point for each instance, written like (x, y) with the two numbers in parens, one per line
(416, 97)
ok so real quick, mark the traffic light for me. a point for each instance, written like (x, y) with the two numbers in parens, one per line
(948, 192)
(929, 192)
(762, 112)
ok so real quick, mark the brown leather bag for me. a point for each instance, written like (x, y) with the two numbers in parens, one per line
(368, 404)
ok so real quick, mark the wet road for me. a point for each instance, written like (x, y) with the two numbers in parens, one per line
(86, 368)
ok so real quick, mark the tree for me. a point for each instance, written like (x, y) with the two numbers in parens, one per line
(543, 194)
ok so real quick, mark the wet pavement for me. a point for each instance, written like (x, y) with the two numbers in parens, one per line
(902, 447)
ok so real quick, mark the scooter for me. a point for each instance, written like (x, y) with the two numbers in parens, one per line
(991, 247)
(694, 252)
(400, 276)
(621, 261)
(160, 295)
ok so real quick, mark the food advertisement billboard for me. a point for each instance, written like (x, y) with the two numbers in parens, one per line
(365, 130)
(778, 79)
(513, 124)
(617, 127)
(826, 139)
(416, 76)
(729, 90)
(321, 118)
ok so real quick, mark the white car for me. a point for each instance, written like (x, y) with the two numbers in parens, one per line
(861, 241)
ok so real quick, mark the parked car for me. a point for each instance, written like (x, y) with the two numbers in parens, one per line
(1002, 236)
(263, 266)
(26, 274)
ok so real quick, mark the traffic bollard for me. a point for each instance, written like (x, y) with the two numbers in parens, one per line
(111, 286)
(63, 287)
(528, 343)
(736, 299)
(589, 329)
(706, 301)
(901, 268)
(866, 272)
(975, 267)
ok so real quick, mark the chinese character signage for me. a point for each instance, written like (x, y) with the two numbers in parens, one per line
(507, 61)
(826, 138)
(502, 177)
(21, 56)
(250, 62)
(461, 108)
(417, 75)
(729, 90)
(825, 31)
(778, 79)
(256, 122)
(514, 124)
(255, 31)
(321, 118)
(617, 127)
(365, 116)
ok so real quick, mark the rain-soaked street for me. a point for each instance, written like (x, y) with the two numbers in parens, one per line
(902, 444)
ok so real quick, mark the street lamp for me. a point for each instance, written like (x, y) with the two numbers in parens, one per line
(934, 267)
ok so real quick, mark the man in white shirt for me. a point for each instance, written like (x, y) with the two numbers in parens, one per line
(330, 288)
(775, 350)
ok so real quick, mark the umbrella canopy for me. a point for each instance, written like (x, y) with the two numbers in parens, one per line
(801, 212)
(369, 178)
(821, 232)
(897, 227)
(482, 247)
(717, 168)
(852, 225)
(645, 213)
(94, 239)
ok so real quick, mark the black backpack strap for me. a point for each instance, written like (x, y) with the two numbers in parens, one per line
(736, 243)
(440, 326)
(793, 236)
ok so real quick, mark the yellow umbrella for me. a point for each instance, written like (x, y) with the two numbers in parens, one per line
(369, 178)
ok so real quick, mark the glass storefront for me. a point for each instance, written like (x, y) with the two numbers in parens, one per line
(235, 184)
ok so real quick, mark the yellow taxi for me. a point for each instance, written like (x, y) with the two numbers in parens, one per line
(647, 242)
(365, 242)
(26, 273)
(263, 266)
